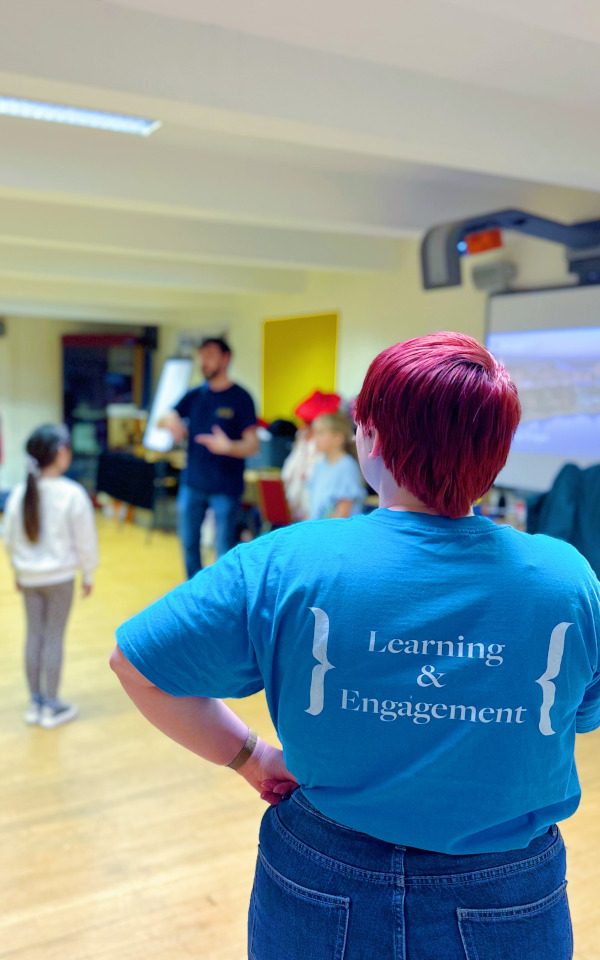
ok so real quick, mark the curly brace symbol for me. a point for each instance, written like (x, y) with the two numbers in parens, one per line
(317, 685)
(555, 655)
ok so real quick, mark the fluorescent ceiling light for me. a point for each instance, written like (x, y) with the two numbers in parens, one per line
(76, 116)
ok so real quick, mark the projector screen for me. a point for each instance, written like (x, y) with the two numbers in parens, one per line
(173, 383)
(550, 343)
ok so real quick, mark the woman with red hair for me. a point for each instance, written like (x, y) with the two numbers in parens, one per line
(444, 413)
(426, 672)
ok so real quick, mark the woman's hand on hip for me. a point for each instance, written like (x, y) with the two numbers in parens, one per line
(266, 772)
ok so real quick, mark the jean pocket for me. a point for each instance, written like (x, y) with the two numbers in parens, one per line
(538, 931)
(287, 920)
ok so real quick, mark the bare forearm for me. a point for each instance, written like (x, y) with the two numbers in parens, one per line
(246, 447)
(205, 726)
(221, 445)
(167, 420)
(172, 422)
(208, 728)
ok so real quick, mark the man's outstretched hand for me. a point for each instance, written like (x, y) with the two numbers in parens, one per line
(216, 442)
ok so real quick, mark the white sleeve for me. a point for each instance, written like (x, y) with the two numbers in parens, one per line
(84, 534)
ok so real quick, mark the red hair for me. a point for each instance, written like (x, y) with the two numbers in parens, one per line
(445, 411)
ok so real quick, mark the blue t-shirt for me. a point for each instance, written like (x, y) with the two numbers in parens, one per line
(331, 482)
(203, 408)
(425, 676)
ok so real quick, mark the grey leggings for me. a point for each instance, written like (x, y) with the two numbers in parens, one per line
(47, 611)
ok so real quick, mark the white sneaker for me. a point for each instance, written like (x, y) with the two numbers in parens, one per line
(33, 712)
(54, 716)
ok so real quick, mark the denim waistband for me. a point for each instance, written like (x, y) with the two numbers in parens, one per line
(308, 826)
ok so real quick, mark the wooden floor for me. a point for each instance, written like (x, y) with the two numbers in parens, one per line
(117, 845)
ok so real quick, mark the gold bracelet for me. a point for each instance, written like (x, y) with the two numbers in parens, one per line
(246, 751)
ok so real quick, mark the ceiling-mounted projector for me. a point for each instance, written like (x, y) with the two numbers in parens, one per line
(441, 245)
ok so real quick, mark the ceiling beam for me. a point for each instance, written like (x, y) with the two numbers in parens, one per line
(130, 233)
(28, 261)
(101, 299)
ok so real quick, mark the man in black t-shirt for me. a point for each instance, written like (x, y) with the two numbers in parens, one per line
(218, 420)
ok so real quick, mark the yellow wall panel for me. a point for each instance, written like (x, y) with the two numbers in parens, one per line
(299, 356)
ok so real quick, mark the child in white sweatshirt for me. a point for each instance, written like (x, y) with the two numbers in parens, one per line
(50, 534)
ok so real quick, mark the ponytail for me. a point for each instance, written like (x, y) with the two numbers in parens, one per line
(42, 448)
(31, 509)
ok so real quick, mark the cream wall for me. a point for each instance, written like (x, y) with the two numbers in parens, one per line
(375, 311)
(31, 382)
(382, 308)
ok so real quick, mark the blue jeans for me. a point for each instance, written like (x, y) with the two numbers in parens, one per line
(325, 892)
(191, 510)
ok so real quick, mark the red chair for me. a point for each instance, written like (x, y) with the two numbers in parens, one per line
(272, 502)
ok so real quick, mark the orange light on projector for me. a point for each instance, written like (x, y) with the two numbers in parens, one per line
(484, 241)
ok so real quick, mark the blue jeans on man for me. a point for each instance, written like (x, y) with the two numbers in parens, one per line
(192, 505)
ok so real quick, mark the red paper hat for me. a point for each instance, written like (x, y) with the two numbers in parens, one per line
(317, 404)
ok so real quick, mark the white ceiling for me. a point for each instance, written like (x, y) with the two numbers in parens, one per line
(295, 137)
